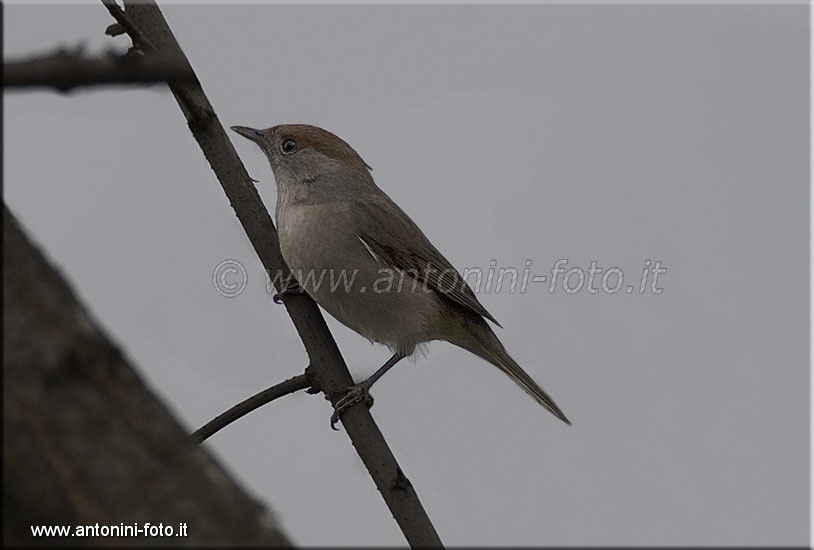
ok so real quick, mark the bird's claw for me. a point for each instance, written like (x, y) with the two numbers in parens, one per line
(353, 395)
(292, 288)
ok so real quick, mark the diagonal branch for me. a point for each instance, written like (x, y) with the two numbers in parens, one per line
(140, 40)
(85, 441)
(142, 18)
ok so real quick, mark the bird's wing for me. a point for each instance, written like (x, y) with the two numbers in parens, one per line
(389, 234)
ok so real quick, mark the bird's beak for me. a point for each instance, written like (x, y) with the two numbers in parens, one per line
(249, 133)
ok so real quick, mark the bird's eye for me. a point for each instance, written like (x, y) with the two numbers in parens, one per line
(289, 146)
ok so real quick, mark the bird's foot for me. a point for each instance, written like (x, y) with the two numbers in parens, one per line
(354, 394)
(292, 288)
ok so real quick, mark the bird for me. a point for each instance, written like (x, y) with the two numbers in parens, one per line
(333, 218)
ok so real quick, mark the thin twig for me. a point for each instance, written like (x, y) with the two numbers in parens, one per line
(295, 383)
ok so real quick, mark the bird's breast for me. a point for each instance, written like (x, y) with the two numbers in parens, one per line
(321, 246)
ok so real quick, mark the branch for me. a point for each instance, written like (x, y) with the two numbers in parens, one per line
(331, 375)
(295, 383)
(123, 24)
(85, 442)
(65, 70)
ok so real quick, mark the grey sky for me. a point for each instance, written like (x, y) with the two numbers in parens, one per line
(614, 134)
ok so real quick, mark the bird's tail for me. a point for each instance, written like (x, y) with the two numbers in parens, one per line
(485, 344)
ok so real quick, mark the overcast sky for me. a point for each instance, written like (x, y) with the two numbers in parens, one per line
(614, 134)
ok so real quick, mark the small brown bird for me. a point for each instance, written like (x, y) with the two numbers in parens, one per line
(332, 218)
